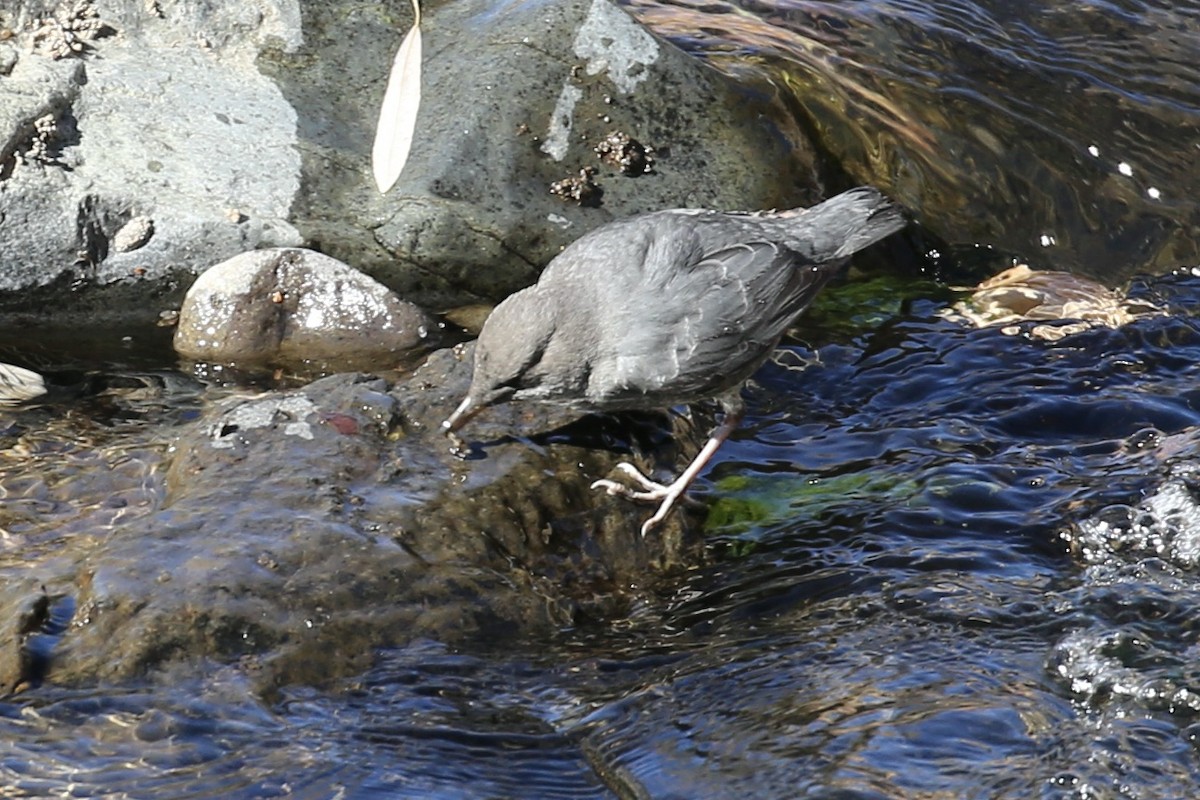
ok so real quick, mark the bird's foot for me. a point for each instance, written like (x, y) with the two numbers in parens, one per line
(651, 492)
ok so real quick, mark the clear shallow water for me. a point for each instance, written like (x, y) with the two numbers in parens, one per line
(920, 588)
(947, 562)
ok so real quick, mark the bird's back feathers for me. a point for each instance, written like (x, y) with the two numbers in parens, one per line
(674, 306)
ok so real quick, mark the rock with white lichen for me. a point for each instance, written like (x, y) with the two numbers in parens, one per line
(290, 307)
(18, 384)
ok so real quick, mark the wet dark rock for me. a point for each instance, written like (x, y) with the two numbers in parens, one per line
(1083, 195)
(297, 307)
(303, 530)
(512, 486)
(24, 619)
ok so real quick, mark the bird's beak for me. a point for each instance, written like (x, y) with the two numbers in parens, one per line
(466, 409)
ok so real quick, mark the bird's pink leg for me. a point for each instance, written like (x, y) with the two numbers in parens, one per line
(653, 491)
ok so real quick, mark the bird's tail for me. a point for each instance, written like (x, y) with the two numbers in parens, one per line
(842, 225)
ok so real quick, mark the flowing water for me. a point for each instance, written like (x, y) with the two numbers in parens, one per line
(946, 562)
(1062, 132)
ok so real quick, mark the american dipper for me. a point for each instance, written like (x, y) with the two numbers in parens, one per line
(667, 308)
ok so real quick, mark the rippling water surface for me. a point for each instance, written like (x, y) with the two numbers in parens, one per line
(946, 562)
(1065, 132)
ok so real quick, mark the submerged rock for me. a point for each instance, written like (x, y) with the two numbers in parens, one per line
(1021, 294)
(302, 530)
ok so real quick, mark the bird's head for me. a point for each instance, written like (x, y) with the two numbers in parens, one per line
(510, 346)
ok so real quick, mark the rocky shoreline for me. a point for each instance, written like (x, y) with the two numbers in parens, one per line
(143, 146)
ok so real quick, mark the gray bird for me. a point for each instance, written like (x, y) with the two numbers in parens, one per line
(667, 308)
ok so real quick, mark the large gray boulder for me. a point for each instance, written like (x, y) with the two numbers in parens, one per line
(160, 115)
(544, 86)
(140, 143)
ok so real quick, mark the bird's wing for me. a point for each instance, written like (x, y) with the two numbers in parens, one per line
(710, 317)
(748, 294)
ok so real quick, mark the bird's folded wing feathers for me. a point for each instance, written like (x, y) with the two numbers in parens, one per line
(752, 293)
(718, 311)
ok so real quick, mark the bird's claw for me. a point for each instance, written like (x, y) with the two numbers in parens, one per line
(651, 492)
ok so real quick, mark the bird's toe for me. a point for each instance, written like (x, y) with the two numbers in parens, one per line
(647, 484)
(621, 490)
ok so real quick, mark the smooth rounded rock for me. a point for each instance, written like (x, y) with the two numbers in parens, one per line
(291, 306)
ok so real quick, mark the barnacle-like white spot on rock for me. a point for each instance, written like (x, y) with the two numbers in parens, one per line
(133, 234)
